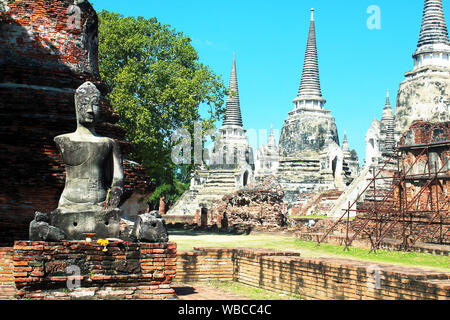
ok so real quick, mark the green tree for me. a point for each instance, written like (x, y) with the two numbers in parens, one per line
(157, 86)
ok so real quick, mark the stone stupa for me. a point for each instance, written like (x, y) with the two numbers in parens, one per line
(311, 159)
(231, 163)
(424, 94)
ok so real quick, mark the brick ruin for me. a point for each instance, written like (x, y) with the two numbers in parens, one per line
(409, 204)
(45, 54)
(314, 203)
(257, 207)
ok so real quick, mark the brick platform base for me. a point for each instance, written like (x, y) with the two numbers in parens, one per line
(80, 270)
(39, 270)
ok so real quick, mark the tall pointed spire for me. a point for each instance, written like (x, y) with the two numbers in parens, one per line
(388, 113)
(434, 28)
(233, 107)
(310, 83)
(346, 147)
(271, 143)
(388, 101)
(388, 127)
(433, 47)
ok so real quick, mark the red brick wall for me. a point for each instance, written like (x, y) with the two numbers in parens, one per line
(312, 278)
(425, 132)
(205, 265)
(130, 271)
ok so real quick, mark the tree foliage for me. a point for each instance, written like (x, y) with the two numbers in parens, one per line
(157, 86)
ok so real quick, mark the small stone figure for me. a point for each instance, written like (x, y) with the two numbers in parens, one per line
(41, 230)
(94, 175)
(150, 227)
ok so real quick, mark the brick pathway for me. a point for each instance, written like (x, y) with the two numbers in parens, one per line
(203, 292)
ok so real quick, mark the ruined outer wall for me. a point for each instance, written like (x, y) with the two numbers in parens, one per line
(284, 272)
(312, 278)
(44, 57)
(204, 265)
(340, 279)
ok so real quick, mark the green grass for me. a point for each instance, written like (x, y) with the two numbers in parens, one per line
(382, 256)
(308, 217)
(252, 292)
(187, 240)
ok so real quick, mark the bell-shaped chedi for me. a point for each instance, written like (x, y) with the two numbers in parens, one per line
(48, 49)
(305, 130)
(424, 94)
(310, 156)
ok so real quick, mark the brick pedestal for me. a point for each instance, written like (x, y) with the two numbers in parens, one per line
(82, 270)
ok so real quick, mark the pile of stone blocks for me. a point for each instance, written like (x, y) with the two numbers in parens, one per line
(258, 207)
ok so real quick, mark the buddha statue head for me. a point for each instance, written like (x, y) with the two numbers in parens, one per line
(87, 105)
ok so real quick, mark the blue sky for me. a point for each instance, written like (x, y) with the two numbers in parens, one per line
(357, 64)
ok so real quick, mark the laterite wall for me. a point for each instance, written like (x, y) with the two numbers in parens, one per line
(321, 278)
(112, 274)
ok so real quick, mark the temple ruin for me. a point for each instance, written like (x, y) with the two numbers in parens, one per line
(402, 191)
(267, 158)
(231, 164)
(311, 159)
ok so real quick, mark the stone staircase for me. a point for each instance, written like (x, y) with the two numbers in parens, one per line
(355, 191)
(301, 176)
(217, 184)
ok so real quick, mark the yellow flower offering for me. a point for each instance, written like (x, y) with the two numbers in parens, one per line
(103, 243)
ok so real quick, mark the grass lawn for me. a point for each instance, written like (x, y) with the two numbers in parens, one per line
(187, 240)
(252, 292)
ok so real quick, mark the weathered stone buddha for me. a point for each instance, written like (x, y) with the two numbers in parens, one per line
(93, 163)
(94, 174)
